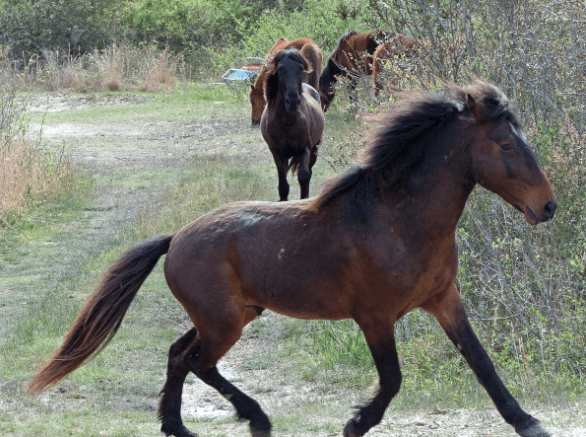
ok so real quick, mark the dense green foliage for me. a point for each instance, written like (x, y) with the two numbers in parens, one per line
(31, 27)
(208, 32)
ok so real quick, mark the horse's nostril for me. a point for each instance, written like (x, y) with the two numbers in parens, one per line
(549, 209)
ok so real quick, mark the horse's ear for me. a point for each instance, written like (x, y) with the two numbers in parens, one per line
(470, 103)
(476, 108)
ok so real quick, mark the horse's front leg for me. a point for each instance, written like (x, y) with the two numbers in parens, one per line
(380, 337)
(282, 168)
(304, 172)
(452, 317)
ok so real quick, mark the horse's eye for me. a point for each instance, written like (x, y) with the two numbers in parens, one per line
(506, 146)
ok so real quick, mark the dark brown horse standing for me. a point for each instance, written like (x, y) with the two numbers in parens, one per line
(292, 123)
(352, 58)
(310, 51)
(378, 242)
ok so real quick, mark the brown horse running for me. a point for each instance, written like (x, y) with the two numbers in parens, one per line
(310, 51)
(398, 46)
(292, 123)
(379, 241)
(352, 58)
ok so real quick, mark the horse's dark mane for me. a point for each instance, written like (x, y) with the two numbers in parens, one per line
(343, 37)
(408, 136)
(328, 74)
(377, 38)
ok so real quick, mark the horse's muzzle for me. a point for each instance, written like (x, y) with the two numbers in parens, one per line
(549, 209)
(292, 103)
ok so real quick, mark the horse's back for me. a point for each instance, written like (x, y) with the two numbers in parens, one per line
(279, 44)
(258, 253)
(311, 91)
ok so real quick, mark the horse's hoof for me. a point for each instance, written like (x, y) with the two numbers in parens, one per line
(535, 430)
(177, 431)
(255, 432)
(350, 431)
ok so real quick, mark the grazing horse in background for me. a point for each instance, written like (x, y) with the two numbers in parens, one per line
(378, 242)
(308, 49)
(292, 123)
(352, 58)
(400, 46)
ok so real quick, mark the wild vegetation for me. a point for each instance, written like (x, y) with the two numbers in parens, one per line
(524, 287)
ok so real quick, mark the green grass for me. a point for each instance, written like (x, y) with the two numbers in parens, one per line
(187, 102)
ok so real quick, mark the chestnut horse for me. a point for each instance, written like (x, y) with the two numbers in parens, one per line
(398, 46)
(352, 58)
(310, 51)
(379, 241)
(292, 122)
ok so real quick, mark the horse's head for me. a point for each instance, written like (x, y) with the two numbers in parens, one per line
(257, 100)
(284, 78)
(501, 159)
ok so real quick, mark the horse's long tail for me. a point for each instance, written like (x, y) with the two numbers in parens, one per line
(103, 312)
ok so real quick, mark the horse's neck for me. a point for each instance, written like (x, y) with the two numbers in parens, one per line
(277, 107)
(433, 204)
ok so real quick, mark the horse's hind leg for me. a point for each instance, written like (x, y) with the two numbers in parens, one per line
(202, 362)
(380, 338)
(452, 317)
(177, 370)
(191, 353)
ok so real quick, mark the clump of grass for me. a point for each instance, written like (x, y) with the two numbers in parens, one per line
(110, 63)
(162, 74)
(27, 171)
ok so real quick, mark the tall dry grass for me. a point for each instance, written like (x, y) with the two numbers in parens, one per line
(28, 171)
(118, 67)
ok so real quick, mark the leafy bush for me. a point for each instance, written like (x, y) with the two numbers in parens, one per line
(322, 21)
(68, 26)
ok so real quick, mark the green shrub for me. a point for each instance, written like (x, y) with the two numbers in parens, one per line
(68, 26)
